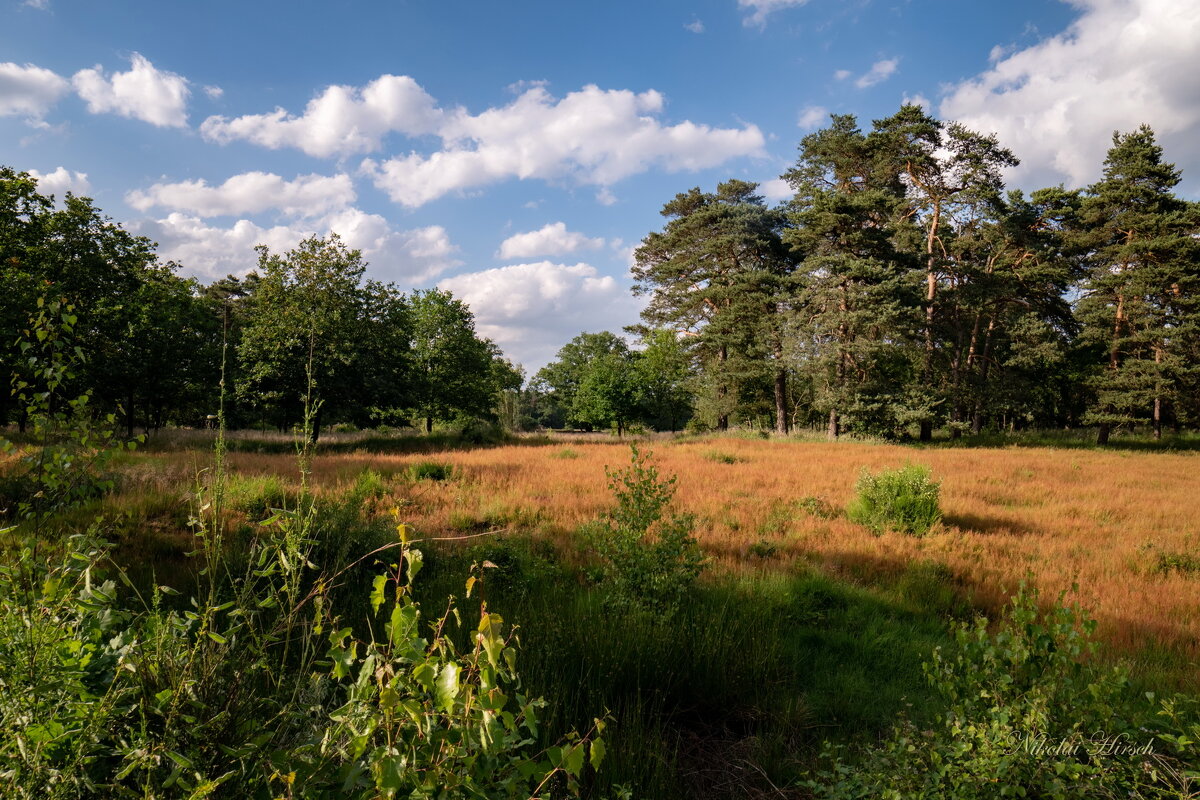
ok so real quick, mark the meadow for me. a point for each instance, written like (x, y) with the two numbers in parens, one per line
(804, 627)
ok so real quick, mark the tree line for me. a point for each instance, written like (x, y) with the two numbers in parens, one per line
(903, 288)
(305, 329)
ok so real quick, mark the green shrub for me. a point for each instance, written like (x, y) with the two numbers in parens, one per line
(430, 471)
(1182, 562)
(648, 559)
(817, 507)
(905, 499)
(1029, 715)
(722, 458)
(258, 496)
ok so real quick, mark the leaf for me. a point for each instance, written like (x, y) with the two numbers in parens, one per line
(573, 763)
(471, 581)
(216, 637)
(596, 753)
(415, 560)
(377, 587)
(447, 687)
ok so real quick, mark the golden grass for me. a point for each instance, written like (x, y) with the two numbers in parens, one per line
(1095, 519)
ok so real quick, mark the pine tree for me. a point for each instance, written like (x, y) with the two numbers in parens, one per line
(1139, 300)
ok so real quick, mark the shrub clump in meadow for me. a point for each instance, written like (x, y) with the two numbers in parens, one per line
(905, 499)
(430, 471)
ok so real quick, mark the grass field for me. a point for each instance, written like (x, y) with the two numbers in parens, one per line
(1123, 528)
(804, 627)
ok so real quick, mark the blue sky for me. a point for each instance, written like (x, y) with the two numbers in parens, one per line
(516, 152)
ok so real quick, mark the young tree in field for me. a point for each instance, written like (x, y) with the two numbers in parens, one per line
(856, 311)
(948, 171)
(301, 343)
(453, 372)
(719, 272)
(1139, 302)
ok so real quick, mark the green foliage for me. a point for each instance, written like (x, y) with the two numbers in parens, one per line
(904, 499)
(1182, 562)
(430, 471)
(722, 457)
(818, 507)
(1028, 715)
(70, 448)
(648, 559)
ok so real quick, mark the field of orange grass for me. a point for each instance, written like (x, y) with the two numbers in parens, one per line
(1098, 520)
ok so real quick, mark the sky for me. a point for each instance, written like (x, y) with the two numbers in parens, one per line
(516, 153)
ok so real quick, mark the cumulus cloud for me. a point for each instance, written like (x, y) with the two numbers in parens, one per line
(531, 310)
(1119, 64)
(592, 136)
(60, 181)
(28, 90)
(144, 92)
(842, 74)
(214, 92)
(342, 120)
(776, 190)
(879, 72)
(550, 240)
(761, 8)
(813, 117)
(409, 258)
(249, 193)
(695, 26)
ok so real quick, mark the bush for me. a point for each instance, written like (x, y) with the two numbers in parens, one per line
(1029, 715)
(648, 559)
(430, 471)
(905, 499)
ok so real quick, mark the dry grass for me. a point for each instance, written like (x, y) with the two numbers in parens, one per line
(1098, 520)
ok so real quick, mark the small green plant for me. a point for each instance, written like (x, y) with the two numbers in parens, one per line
(905, 499)
(764, 549)
(566, 453)
(817, 507)
(430, 471)
(1181, 562)
(648, 559)
(722, 457)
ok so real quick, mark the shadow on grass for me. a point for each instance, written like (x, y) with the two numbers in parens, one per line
(1079, 439)
(731, 695)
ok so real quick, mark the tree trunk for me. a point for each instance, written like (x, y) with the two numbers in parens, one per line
(1158, 394)
(834, 429)
(1102, 434)
(984, 368)
(429, 424)
(930, 296)
(722, 392)
(129, 417)
(316, 426)
(781, 420)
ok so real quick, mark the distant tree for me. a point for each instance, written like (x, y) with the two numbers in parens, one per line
(608, 392)
(948, 171)
(558, 382)
(1140, 303)
(453, 370)
(856, 308)
(663, 371)
(302, 341)
(719, 273)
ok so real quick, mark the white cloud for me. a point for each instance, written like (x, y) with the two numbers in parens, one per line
(214, 92)
(879, 72)
(1121, 63)
(532, 310)
(917, 99)
(28, 90)
(842, 74)
(605, 197)
(60, 181)
(592, 136)
(695, 26)
(40, 5)
(761, 8)
(776, 190)
(250, 193)
(342, 120)
(550, 240)
(410, 258)
(144, 92)
(813, 117)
